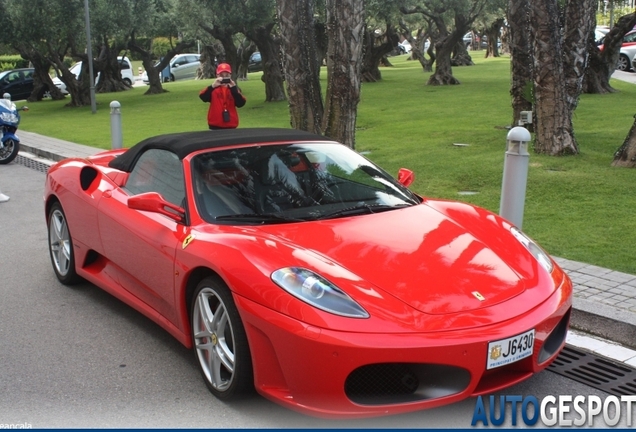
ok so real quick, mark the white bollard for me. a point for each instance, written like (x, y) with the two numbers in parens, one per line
(515, 176)
(115, 125)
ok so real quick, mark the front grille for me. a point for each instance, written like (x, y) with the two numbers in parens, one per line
(393, 383)
(385, 379)
(555, 339)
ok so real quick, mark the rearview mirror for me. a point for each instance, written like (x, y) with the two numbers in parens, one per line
(405, 176)
(154, 202)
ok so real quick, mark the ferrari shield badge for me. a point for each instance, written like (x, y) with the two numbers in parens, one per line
(187, 241)
(478, 296)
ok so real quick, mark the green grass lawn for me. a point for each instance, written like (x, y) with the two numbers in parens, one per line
(577, 207)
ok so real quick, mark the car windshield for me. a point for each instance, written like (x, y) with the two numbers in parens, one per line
(3, 74)
(292, 183)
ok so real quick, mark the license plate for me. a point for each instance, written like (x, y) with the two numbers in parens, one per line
(510, 350)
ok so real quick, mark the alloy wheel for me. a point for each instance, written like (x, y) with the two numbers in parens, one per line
(214, 339)
(60, 242)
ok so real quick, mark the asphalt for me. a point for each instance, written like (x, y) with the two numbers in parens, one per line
(604, 300)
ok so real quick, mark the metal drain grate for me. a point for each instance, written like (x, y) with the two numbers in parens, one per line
(31, 163)
(598, 372)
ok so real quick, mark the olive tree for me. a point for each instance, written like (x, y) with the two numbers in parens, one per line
(41, 31)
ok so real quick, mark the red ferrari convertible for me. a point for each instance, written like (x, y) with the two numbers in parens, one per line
(291, 264)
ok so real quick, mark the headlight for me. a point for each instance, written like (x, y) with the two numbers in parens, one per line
(317, 291)
(534, 249)
(9, 118)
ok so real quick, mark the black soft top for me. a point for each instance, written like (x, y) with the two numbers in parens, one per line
(184, 143)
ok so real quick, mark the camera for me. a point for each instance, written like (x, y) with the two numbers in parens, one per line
(226, 81)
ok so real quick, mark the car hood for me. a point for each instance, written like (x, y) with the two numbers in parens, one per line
(421, 256)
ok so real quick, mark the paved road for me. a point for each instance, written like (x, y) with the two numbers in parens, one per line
(625, 76)
(77, 357)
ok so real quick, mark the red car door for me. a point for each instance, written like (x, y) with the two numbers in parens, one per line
(142, 246)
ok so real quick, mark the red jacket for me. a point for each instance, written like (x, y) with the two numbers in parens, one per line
(222, 99)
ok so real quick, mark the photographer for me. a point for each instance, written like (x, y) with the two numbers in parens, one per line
(224, 97)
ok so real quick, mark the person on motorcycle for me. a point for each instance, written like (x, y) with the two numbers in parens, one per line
(224, 97)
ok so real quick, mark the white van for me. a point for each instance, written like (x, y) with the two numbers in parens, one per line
(126, 73)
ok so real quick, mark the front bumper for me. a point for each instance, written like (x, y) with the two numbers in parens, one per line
(338, 374)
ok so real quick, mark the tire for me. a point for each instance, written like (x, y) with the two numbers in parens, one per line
(623, 63)
(219, 341)
(9, 151)
(61, 246)
(172, 78)
(128, 82)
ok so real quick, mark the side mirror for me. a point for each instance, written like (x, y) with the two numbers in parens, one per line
(405, 177)
(154, 202)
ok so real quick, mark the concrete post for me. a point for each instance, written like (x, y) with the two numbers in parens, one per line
(515, 176)
(115, 125)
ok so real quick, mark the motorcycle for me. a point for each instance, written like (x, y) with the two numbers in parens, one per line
(9, 120)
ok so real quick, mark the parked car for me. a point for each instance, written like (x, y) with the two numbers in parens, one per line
(404, 47)
(291, 264)
(255, 63)
(17, 82)
(181, 67)
(481, 41)
(125, 66)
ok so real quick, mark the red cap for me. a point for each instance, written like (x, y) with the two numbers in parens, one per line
(223, 67)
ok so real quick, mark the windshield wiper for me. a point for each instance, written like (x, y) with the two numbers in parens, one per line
(360, 210)
(262, 218)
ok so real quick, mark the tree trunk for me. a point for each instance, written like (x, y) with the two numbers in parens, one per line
(465, 14)
(447, 44)
(230, 52)
(602, 64)
(110, 80)
(78, 89)
(375, 49)
(42, 82)
(272, 73)
(320, 30)
(443, 68)
(207, 70)
(245, 51)
(345, 27)
(625, 156)
(302, 70)
(153, 72)
(417, 53)
(554, 132)
(580, 20)
(461, 56)
(492, 33)
(522, 85)
(598, 73)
